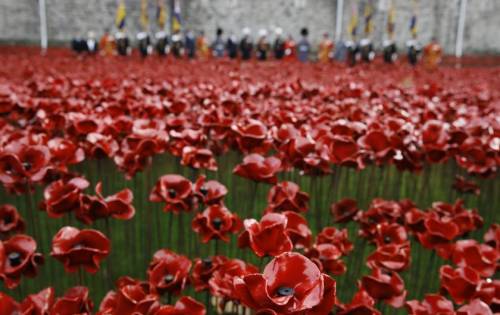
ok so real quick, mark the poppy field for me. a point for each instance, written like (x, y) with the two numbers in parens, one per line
(166, 186)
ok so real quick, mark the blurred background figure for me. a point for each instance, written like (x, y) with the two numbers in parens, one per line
(144, 44)
(218, 46)
(177, 44)
(246, 45)
(190, 44)
(107, 44)
(91, 45)
(122, 43)
(390, 48)
(262, 45)
(232, 46)
(353, 54)
(279, 44)
(325, 49)
(304, 47)
(78, 45)
(202, 46)
(432, 55)
(290, 49)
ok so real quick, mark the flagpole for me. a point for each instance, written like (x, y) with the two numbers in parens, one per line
(338, 22)
(43, 25)
(460, 29)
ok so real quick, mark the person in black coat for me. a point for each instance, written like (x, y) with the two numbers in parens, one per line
(246, 45)
(279, 44)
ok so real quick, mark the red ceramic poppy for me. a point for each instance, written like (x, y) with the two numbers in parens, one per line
(64, 152)
(39, 303)
(488, 291)
(175, 190)
(290, 283)
(387, 286)
(267, 237)
(8, 305)
(432, 304)
(344, 210)
(327, 258)
(18, 257)
(199, 158)
(10, 221)
(343, 150)
(481, 257)
(297, 229)
(75, 301)
(287, 196)
(339, 238)
(209, 192)
(475, 307)
(184, 306)
(252, 136)
(465, 186)
(259, 168)
(221, 282)
(203, 270)
(395, 257)
(131, 297)
(459, 283)
(377, 144)
(362, 304)
(492, 236)
(63, 196)
(390, 234)
(168, 272)
(216, 222)
(80, 248)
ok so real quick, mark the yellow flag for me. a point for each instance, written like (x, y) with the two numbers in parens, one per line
(121, 14)
(176, 17)
(353, 24)
(368, 18)
(391, 21)
(161, 14)
(144, 14)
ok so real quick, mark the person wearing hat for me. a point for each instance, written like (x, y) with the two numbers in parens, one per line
(304, 47)
(202, 46)
(218, 46)
(279, 45)
(325, 49)
(162, 47)
(232, 46)
(246, 45)
(177, 44)
(144, 44)
(290, 49)
(390, 51)
(190, 44)
(107, 44)
(122, 43)
(432, 55)
(262, 45)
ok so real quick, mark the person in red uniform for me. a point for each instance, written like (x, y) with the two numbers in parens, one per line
(290, 49)
(432, 55)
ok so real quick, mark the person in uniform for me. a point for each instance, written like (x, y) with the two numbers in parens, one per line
(232, 46)
(218, 46)
(290, 49)
(122, 43)
(279, 44)
(366, 49)
(144, 44)
(304, 47)
(91, 45)
(432, 55)
(190, 44)
(246, 45)
(202, 46)
(177, 44)
(107, 44)
(390, 51)
(325, 49)
(161, 45)
(262, 46)
(78, 45)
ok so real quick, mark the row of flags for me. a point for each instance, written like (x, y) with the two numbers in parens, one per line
(161, 14)
(369, 9)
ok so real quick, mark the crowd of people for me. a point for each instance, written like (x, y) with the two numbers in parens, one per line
(265, 46)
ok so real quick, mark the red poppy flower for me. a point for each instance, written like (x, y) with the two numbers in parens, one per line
(488, 291)
(198, 158)
(290, 283)
(395, 257)
(343, 150)
(492, 236)
(175, 190)
(80, 248)
(380, 211)
(64, 152)
(252, 136)
(10, 221)
(63, 196)
(209, 192)
(481, 257)
(460, 283)
(75, 301)
(184, 306)
(432, 304)
(18, 257)
(327, 258)
(386, 286)
(8, 305)
(414, 220)
(267, 237)
(39, 303)
(377, 144)
(344, 210)
(475, 307)
(221, 282)
(438, 231)
(287, 196)
(362, 304)
(118, 206)
(131, 297)
(339, 238)
(390, 234)
(216, 222)
(259, 168)
(100, 146)
(297, 229)
(465, 186)
(168, 272)
(203, 270)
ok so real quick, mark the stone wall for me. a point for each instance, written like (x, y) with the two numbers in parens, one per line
(19, 20)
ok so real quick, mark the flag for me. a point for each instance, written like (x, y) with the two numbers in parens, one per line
(413, 21)
(353, 24)
(368, 18)
(121, 14)
(144, 14)
(391, 19)
(161, 14)
(176, 16)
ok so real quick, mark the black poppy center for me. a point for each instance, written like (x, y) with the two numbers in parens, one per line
(8, 219)
(207, 263)
(14, 259)
(168, 278)
(8, 170)
(172, 193)
(27, 165)
(285, 291)
(217, 223)
(204, 190)
(387, 239)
